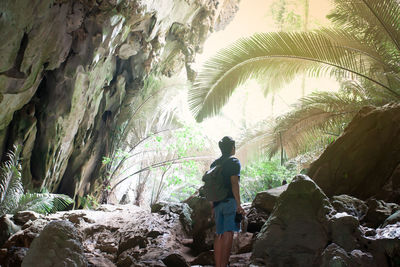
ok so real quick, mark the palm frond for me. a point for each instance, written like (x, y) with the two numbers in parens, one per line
(43, 202)
(314, 121)
(377, 20)
(254, 141)
(277, 57)
(10, 182)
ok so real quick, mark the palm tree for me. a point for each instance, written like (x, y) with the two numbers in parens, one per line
(365, 47)
(147, 144)
(362, 51)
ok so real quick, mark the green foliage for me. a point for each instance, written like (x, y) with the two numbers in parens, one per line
(154, 151)
(13, 198)
(181, 180)
(285, 18)
(89, 202)
(362, 52)
(43, 203)
(279, 57)
(261, 175)
(10, 184)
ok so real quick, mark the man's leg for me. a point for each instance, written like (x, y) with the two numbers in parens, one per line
(218, 250)
(227, 239)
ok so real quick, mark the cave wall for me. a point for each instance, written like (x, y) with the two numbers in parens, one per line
(69, 69)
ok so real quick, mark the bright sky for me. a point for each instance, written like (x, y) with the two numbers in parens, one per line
(248, 103)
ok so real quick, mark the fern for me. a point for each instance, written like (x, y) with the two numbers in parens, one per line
(43, 203)
(10, 183)
(12, 197)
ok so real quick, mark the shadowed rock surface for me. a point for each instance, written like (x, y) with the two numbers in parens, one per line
(364, 161)
(69, 71)
(57, 245)
(303, 229)
(296, 232)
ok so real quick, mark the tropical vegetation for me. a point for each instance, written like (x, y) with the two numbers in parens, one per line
(158, 152)
(12, 195)
(263, 174)
(362, 52)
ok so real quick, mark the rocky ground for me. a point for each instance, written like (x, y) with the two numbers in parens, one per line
(123, 235)
(293, 225)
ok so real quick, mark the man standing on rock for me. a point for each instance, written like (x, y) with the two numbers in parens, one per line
(225, 211)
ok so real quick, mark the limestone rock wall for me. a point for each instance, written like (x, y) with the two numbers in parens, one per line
(67, 69)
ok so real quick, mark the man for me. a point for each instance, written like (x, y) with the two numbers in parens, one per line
(225, 210)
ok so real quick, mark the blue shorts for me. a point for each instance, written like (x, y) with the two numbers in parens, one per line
(225, 213)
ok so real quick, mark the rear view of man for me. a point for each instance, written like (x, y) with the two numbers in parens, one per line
(226, 210)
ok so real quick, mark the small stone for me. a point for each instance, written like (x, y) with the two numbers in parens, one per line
(175, 260)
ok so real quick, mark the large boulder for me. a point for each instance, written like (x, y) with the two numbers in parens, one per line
(297, 231)
(261, 208)
(304, 229)
(265, 200)
(203, 225)
(364, 161)
(59, 244)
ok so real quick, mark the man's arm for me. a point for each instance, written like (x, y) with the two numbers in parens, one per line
(236, 194)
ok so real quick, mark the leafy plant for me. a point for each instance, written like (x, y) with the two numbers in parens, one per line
(13, 198)
(89, 202)
(261, 175)
(155, 148)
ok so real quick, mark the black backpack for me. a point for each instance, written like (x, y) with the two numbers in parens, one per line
(214, 188)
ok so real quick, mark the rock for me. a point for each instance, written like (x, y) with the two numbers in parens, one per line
(242, 243)
(25, 236)
(261, 208)
(296, 233)
(175, 260)
(204, 258)
(181, 209)
(344, 231)
(77, 217)
(350, 205)
(334, 255)
(23, 217)
(57, 245)
(256, 219)
(392, 219)
(149, 263)
(99, 261)
(360, 258)
(14, 257)
(203, 224)
(7, 228)
(385, 245)
(131, 242)
(378, 212)
(364, 161)
(265, 201)
(240, 260)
